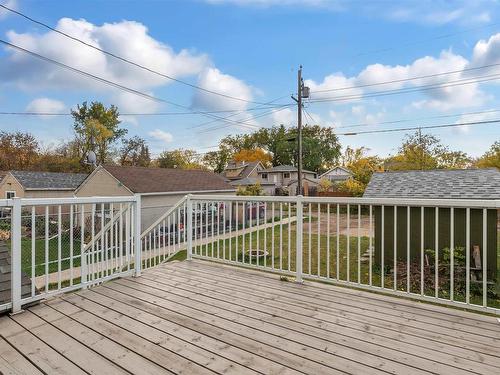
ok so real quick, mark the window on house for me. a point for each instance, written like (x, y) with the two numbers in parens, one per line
(286, 175)
(10, 194)
(264, 176)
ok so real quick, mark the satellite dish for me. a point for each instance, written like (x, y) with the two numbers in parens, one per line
(90, 158)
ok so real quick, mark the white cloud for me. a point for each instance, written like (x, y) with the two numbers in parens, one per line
(284, 116)
(334, 81)
(212, 79)
(487, 52)
(128, 39)
(161, 136)
(349, 89)
(46, 105)
(8, 3)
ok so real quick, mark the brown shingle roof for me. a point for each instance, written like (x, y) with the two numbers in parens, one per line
(159, 180)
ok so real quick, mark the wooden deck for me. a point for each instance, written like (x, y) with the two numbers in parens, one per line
(198, 317)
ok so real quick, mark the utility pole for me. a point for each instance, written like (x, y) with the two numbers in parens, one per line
(302, 92)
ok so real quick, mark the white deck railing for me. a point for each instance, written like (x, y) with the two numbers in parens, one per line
(166, 236)
(444, 251)
(58, 245)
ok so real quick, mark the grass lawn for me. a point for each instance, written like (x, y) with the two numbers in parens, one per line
(284, 257)
(53, 254)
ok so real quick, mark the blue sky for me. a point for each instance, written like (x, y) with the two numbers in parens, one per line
(251, 50)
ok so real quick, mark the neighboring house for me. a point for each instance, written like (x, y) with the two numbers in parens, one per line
(246, 174)
(240, 170)
(268, 188)
(481, 184)
(337, 174)
(31, 184)
(285, 177)
(160, 188)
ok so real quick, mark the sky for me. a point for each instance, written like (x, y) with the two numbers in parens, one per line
(244, 55)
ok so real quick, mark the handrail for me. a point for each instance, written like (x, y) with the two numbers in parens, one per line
(470, 203)
(164, 216)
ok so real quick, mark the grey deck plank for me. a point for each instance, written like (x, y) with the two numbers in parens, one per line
(411, 309)
(67, 346)
(272, 351)
(131, 351)
(116, 311)
(38, 352)
(274, 291)
(12, 362)
(328, 354)
(209, 360)
(389, 346)
(490, 334)
(199, 317)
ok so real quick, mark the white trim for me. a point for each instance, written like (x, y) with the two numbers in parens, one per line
(471, 203)
(75, 200)
(49, 189)
(187, 192)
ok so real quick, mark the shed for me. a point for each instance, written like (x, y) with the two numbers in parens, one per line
(480, 184)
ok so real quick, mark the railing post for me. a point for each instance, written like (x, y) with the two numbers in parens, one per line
(137, 236)
(16, 284)
(298, 245)
(189, 227)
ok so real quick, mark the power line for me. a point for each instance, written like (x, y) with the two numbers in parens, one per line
(416, 119)
(408, 79)
(461, 82)
(239, 112)
(13, 113)
(424, 127)
(263, 114)
(114, 84)
(126, 60)
(443, 36)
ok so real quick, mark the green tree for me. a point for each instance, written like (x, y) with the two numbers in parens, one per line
(135, 152)
(180, 158)
(18, 150)
(253, 190)
(217, 160)
(361, 165)
(321, 148)
(99, 122)
(490, 158)
(425, 151)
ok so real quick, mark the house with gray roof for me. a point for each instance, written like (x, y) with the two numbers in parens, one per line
(337, 174)
(436, 184)
(239, 170)
(33, 184)
(474, 184)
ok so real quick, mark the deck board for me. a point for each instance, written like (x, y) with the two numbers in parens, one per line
(203, 318)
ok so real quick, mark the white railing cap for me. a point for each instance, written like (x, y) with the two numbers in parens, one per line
(470, 203)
